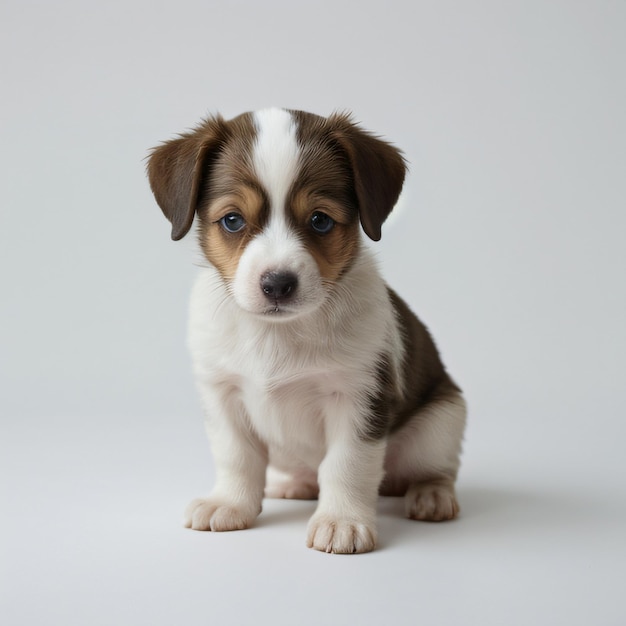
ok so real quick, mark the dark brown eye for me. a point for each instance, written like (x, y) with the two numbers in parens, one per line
(233, 222)
(322, 223)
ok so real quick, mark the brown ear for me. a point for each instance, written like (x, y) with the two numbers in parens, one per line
(176, 169)
(378, 170)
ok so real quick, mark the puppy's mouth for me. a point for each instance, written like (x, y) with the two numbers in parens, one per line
(275, 310)
(279, 310)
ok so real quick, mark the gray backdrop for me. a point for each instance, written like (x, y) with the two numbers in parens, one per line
(509, 243)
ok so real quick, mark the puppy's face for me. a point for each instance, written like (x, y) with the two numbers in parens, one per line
(280, 219)
(279, 196)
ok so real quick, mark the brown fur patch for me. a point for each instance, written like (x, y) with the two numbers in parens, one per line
(376, 168)
(324, 183)
(422, 378)
(230, 185)
(222, 248)
(335, 250)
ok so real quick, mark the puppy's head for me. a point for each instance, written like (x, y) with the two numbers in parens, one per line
(279, 196)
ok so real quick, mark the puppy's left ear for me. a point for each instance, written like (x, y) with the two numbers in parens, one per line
(378, 169)
(177, 168)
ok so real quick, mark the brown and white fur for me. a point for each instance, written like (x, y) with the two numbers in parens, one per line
(305, 359)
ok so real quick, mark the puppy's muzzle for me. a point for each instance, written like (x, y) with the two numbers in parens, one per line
(279, 287)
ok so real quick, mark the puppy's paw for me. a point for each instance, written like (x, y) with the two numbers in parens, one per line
(431, 502)
(340, 536)
(217, 515)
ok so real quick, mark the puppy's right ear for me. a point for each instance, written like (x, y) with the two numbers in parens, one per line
(176, 170)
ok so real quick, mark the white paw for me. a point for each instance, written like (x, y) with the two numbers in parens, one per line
(340, 536)
(217, 515)
(431, 502)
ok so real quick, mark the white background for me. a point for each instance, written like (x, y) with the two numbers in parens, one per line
(509, 244)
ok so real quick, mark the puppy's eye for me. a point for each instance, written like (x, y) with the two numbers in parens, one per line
(322, 223)
(232, 223)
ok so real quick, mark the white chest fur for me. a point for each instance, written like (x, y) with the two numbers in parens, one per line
(286, 378)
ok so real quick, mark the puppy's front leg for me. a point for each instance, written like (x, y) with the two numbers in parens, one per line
(349, 477)
(240, 462)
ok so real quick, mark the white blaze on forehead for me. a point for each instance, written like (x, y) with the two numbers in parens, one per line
(275, 155)
(275, 158)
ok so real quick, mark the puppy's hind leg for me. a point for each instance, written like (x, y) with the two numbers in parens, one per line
(297, 484)
(423, 459)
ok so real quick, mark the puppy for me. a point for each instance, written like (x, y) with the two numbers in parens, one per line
(306, 361)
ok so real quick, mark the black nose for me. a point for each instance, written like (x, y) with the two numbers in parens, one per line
(279, 285)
